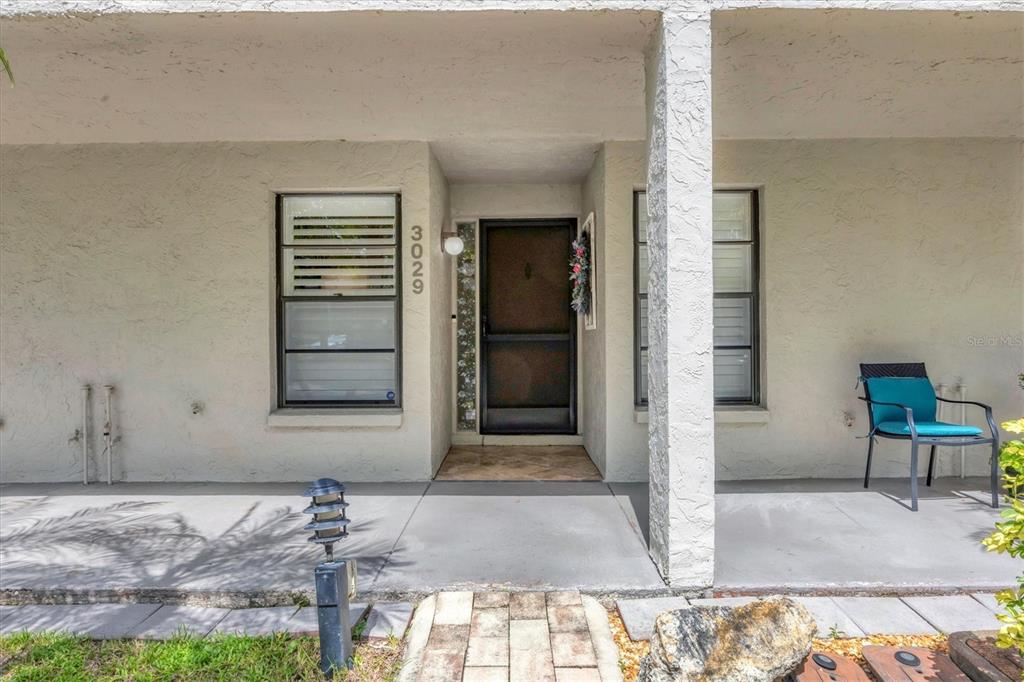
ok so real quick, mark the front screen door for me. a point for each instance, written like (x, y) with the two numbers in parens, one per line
(527, 327)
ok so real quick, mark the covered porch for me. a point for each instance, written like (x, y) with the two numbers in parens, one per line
(146, 222)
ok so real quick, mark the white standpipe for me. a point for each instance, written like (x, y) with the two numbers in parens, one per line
(963, 420)
(86, 390)
(108, 434)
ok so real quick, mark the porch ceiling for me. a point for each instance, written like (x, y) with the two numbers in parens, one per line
(782, 74)
(502, 96)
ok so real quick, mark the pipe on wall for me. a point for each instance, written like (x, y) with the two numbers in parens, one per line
(86, 391)
(108, 433)
(962, 390)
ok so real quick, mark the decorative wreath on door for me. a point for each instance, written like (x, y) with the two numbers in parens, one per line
(579, 273)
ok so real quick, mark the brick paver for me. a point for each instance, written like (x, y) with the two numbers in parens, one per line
(453, 608)
(530, 651)
(518, 637)
(489, 623)
(487, 652)
(527, 606)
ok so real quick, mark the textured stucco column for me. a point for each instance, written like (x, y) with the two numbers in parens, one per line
(682, 471)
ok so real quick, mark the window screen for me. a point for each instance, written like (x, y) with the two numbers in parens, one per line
(339, 304)
(735, 258)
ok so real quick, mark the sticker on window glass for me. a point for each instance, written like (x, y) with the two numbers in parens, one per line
(390, 395)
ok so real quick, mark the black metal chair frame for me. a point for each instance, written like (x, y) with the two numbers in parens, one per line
(917, 370)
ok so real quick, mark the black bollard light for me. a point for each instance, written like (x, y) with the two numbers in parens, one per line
(335, 579)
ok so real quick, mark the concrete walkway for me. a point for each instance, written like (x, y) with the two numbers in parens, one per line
(518, 637)
(153, 621)
(237, 540)
(845, 616)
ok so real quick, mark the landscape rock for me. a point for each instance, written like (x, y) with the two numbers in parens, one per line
(756, 642)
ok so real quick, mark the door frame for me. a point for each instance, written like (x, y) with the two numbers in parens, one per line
(525, 223)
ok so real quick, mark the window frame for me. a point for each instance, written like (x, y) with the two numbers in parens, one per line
(754, 296)
(281, 299)
(638, 399)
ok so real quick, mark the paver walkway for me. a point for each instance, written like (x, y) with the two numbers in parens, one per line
(517, 637)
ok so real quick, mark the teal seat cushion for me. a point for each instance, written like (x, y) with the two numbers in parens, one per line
(901, 428)
(913, 392)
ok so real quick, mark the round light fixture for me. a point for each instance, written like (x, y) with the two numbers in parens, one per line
(452, 244)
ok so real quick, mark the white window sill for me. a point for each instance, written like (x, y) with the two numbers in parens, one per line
(741, 414)
(301, 417)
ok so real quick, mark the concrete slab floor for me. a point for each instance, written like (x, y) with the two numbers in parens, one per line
(199, 537)
(230, 538)
(832, 535)
(529, 535)
(827, 534)
(772, 536)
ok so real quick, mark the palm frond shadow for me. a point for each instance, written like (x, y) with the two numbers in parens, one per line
(133, 544)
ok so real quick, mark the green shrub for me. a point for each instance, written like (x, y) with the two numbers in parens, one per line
(1008, 537)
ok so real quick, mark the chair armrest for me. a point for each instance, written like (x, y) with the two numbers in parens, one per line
(964, 402)
(909, 411)
(879, 402)
(988, 413)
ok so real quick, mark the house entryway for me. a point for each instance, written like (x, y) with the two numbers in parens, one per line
(517, 463)
(527, 327)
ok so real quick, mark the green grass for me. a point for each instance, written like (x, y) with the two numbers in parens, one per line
(228, 657)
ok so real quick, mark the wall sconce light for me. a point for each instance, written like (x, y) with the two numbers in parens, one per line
(451, 243)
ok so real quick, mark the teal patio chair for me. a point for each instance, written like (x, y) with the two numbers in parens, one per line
(902, 405)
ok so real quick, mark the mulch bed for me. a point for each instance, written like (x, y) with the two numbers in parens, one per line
(631, 653)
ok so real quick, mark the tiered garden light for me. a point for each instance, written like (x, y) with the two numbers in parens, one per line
(335, 579)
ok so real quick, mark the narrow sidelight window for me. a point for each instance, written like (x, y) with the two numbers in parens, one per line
(735, 257)
(339, 302)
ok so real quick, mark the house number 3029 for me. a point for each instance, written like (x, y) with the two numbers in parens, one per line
(417, 259)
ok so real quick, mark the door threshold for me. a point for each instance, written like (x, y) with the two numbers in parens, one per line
(524, 439)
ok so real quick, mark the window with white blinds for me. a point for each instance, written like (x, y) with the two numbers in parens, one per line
(338, 299)
(735, 260)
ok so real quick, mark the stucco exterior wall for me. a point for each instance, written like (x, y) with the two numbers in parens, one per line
(877, 250)
(151, 267)
(441, 324)
(872, 250)
(625, 171)
(594, 381)
(614, 439)
(560, 200)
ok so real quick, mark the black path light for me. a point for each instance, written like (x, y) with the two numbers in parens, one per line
(335, 579)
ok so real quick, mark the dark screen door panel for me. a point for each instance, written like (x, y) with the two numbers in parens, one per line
(528, 329)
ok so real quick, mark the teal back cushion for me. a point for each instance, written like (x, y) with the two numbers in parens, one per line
(916, 393)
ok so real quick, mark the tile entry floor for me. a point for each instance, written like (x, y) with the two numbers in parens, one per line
(517, 463)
